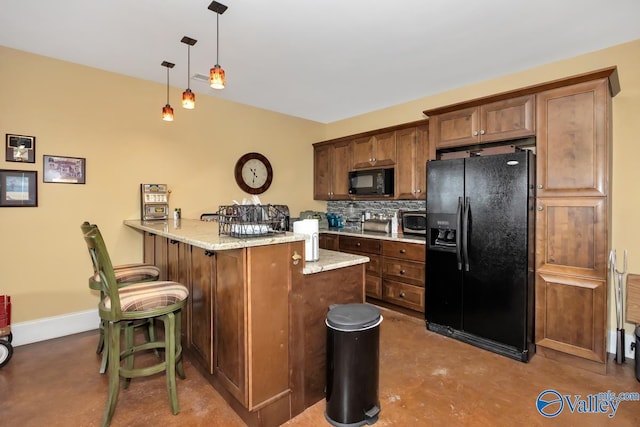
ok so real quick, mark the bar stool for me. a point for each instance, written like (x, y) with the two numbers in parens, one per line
(121, 307)
(125, 275)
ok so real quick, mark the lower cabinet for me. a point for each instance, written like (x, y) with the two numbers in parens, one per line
(200, 306)
(395, 273)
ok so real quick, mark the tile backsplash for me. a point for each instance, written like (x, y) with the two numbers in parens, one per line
(376, 208)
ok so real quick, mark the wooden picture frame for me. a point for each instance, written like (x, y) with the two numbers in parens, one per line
(64, 170)
(18, 188)
(20, 148)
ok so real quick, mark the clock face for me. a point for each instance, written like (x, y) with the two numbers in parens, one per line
(253, 173)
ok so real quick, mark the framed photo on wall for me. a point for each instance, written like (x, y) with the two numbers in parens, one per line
(66, 170)
(18, 188)
(20, 148)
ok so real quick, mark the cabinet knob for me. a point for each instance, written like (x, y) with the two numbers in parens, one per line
(418, 191)
(209, 253)
(403, 251)
(401, 295)
(475, 133)
(402, 272)
(481, 131)
(539, 186)
(540, 208)
(358, 244)
(173, 242)
(374, 159)
(296, 257)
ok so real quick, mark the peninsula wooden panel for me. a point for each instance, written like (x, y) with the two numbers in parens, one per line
(201, 305)
(229, 320)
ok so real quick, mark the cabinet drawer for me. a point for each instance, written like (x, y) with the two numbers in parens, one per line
(328, 241)
(405, 271)
(359, 244)
(404, 295)
(403, 250)
(373, 286)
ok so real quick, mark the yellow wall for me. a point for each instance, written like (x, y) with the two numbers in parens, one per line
(114, 121)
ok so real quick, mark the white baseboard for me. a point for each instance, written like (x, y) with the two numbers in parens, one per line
(628, 339)
(54, 327)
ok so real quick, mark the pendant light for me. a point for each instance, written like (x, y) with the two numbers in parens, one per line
(167, 111)
(188, 97)
(216, 75)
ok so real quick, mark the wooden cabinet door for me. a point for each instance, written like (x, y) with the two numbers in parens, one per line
(229, 332)
(455, 129)
(571, 236)
(201, 305)
(161, 248)
(328, 241)
(363, 152)
(508, 119)
(571, 315)
(322, 171)
(341, 163)
(422, 155)
(178, 271)
(406, 162)
(384, 149)
(572, 153)
(149, 248)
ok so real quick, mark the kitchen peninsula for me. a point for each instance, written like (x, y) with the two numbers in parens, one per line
(254, 323)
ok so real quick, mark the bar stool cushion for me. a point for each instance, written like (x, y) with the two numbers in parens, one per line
(149, 295)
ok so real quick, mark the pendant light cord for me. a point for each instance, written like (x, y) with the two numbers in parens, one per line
(167, 85)
(217, 39)
(188, 65)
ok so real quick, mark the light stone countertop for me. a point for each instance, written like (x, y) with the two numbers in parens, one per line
(331, 260)
(205, 235)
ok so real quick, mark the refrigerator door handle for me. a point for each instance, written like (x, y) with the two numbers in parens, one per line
(465, 233)
(459, 227)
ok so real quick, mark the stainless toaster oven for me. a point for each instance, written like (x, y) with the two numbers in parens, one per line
(414, 222)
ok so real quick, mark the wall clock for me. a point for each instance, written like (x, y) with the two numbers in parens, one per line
(253, 173)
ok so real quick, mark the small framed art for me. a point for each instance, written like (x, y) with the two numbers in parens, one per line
(65, 170)
(20, 148)
(18, 188)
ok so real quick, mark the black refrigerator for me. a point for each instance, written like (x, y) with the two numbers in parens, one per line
(480, 251)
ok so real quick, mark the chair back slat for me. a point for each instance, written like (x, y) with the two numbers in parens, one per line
(104, 268)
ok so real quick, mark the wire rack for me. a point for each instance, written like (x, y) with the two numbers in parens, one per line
(251, 220)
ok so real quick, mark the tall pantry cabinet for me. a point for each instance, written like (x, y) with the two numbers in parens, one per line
(574, 150)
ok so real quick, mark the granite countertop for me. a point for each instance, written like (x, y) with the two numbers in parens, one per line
(373, 235)
(331, 260)
(205, 235)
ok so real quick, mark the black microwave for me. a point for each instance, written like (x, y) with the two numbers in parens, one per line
(372, 182)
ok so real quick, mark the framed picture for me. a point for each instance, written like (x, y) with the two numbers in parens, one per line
(18, 188)
(21, 148)
(66, 170)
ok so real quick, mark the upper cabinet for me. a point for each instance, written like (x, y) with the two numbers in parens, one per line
(495, 121)
(331, 165)
(571, 140)
(374, 151)
(412, 148)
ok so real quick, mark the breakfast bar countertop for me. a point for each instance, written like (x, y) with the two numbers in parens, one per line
(204, 234)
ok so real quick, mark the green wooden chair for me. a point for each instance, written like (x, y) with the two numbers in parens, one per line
(121, 307)
(125, 275)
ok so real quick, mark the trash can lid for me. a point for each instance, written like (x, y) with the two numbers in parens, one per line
(352, 317)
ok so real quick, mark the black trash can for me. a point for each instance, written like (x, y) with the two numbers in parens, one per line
(353, 341)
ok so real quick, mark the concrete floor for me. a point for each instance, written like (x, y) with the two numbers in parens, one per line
(425, 380)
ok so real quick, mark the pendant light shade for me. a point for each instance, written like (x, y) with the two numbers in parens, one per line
(167, 111)
(216, 75)
(188, 97)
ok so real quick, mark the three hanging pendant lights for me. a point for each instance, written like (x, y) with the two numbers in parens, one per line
(217, 78)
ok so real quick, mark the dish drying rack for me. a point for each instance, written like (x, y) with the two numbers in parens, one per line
(251, 220)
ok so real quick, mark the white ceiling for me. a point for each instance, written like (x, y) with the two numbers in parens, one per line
(320, 60)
